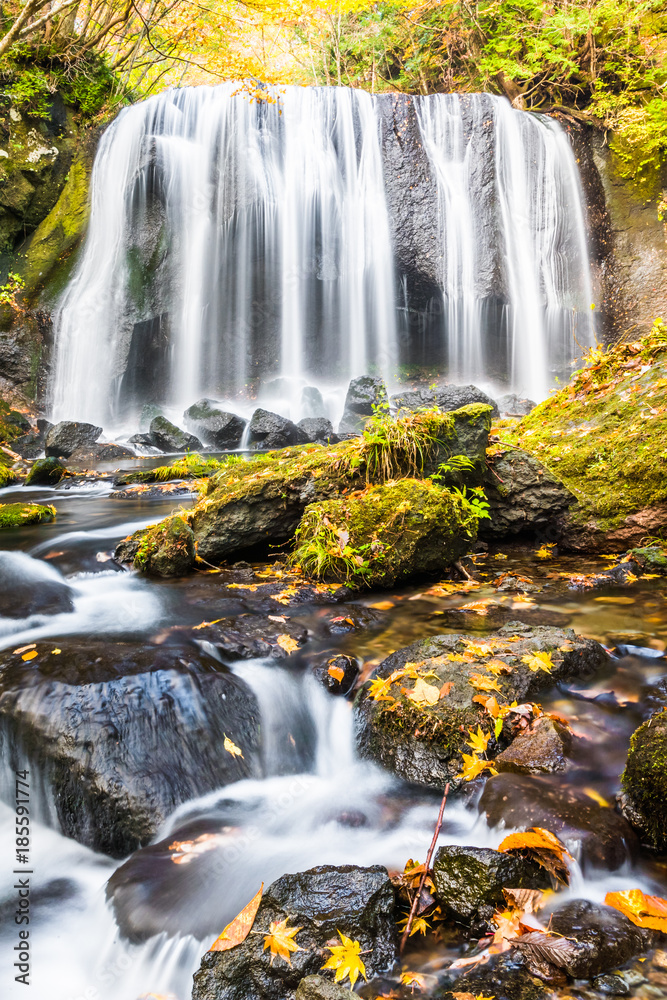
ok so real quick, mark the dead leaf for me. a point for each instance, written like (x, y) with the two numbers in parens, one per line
(280, 940)
(445, 689)
(478, 741)
(538, 661)
(473, 767)
(337, 673)
(287, 643)
(30, 656)
(383, 605)
(483, 683)
(558, 951)
(526, 900)
(238, 929)
(423, 693)
(22, 649)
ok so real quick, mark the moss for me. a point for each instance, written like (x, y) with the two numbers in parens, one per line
(645, 778)
(385, 533)
(15, 515)
(604, 434)
(46, 472)
(167, 549)
(7, 476)
(190, 466)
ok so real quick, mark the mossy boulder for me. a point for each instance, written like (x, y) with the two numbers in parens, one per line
(471, 879)
(385, 534)
(650, 558)
(16, 515)
(46, 472)
(644, 782)
(7, 475)
(166, 549)
(420, 732)
(524, 497)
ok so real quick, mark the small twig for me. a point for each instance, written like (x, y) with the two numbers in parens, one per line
(461, 568)
(427, 865)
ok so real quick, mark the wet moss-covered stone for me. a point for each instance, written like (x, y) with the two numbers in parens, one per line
(644, 782)
(167, 549)
(468, 879)
(7, 474)
(46, 472)
(16, 515)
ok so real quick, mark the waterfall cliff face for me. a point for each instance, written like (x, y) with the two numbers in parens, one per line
(233, 240)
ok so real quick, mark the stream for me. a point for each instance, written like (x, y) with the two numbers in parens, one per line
(313, 801)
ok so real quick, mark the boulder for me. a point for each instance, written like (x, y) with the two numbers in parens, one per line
(644, 782)
(149, 412)
(512, 405)
(97, 453)
(64, 438)
(598, 836)
(142, 441)
(123, 733)
(323, 901)
(469, 881)
(504, 978)
(312, 402)
(170, 438)
(523, 496)
(248, 637)
(270, 430)
(603, 937)
(541, 748)
(43, 426)
(19, 420)
(337, 673)
(28, 445)
(364, 394)
(317, 429)
(214, 426)
(46, 472)
(17, 515)
(445, 397)
(167, 549)
(423, 743)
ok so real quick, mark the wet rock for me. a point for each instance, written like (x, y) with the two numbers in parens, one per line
(612, 986)
(470, 879)
(170, 438)
(16, 515)
(523, 496)
(123, 733)
(364, 394)
(644, 782)
(354, 618)
(46, 472)
(215, 426)
(16, 419)
(541, 748)
(30, 588)
(143, 441)
(317, 429)
(423, 744)
(312, 402)
(319, 988)
(270, 430)
(512, 405)
(605, 938)
(445, 397)
(149, 412)
(505, 978)
(87, 456)
(43, 426)
(28, 445)
(358, 902)
(650, 558)
(167, 549)
(598, 836)
(337, 673)
(248, 637)
(64, 438)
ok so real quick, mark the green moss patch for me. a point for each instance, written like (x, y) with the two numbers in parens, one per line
(166, 549)
(15, 515)
(188, 467)
(645, 780)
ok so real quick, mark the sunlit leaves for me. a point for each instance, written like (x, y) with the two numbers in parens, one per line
(478, 741)
(543, 847)
(538, 661)
(337, 673)
(238, 929)
(419, 925)
(280, 940)
(642, 910)
(345, 958)
(423, 693)
(473, 767)
(232, 748)
(287, 643)
(482, 683)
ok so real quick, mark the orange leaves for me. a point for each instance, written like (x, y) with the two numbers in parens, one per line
(345, 958)
(642, 910)
(543, 847)
(280, 940)
(238, 929)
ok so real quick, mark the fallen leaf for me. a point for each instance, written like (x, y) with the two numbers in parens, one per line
(287, 643)
(558, 951)
(478, 648)
(536, 836)
(345, 959)
(413, 979)
(383, 605)
(497, 666)
(595, 795)
(544, 552)
(423, 693)
(29, 656)
(337, 673)
(538, 661)
(419, 925)
(642, 910)
(473, 767)
(232, 748)
(56, 651)
(478, 741)
(277, 618)
(526, 900)
(280, 940)
(445, 689)
(238, 929)
(483, 683)
(615, 600)
(489, 703)
(22, 649)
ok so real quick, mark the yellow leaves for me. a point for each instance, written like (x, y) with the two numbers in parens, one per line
(446, 688)
(473, 767)
(545, 552)
(232, 747)
(287, 643)
(378, 688)
(413, 979)
(497, 666)
(346, 960)
(419, 925)
(383, 605)
(615, 600)
(478, 741)
(238, 929)
(280, 940)
(201, 625)
(642, 910)
(592, 793)
(538, 661)
(489, 703)
(423, 693)
(56, 652)
(482, 683)
(475, 648)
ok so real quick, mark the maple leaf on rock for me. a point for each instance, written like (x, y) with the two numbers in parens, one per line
(280, 940)
(642, 910)
(483, 683)
(473, 767)
(238, 929)
(232, 748)
(423, 693)
(345, 958)
(538, 661)
(287, 643)
(479, 740)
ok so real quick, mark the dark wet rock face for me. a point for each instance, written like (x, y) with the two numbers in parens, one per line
(523, 496)
(64, 438)
(319, 988)
(28, 445)
(167, 549)
(270, 430)
(542, 748)
(605, 939)
(170, 438)
(214, 426)
(337, 673)
(506, 978)
(364, 394)
(644, 781)
(358, 902)
(597, 834)
(46, 472)
(124, 733)
(317, 429)
(250, 636)
(469, 881)
(424, 744)
(444, 397)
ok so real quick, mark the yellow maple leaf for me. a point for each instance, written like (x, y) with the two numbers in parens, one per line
(478, 648)
(458, 658)
(287, 643)
(29, 656)
(473, 766)
(538, 661)
(345, 958)
(595, 795)
(232, 747)
(497, 666)
(478, 741)
(378, 689)
(423, 693)
(413, 979)
(544, 552)
(419, 925)
(536, 837)
(280, 940)
(483, 683)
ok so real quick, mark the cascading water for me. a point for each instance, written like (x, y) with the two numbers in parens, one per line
(512, 229)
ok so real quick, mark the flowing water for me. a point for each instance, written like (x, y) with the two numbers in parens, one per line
(313, 800)
(236, 240)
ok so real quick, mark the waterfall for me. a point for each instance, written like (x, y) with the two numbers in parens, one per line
(511, 219)
(235, 240)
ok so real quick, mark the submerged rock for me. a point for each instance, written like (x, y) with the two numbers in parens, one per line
(469, 881)
(523, 496)
(213, 425)
(364, 395)
(170, 438)
(270, 430)
(317, 429)
(644, 781)
(167, 549)
(16, 515)
(312, 402)
(31, 587)
(604, 938)
(423, 742)
(248, 637)
(123, 733)
(46, 472)
(64, 438)
(598, 836)
(323, 901)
